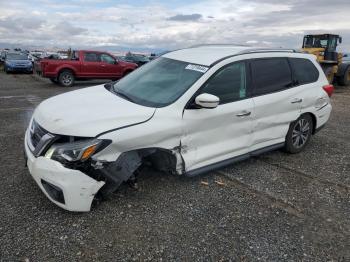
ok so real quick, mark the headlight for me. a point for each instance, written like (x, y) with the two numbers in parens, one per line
(76, 151)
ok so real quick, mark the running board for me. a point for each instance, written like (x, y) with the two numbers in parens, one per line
(232, 160)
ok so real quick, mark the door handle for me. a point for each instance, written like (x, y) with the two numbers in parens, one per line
(297, 100)
(244, 113)
(103, 65)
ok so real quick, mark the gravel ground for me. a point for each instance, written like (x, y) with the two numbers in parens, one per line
(275, 207)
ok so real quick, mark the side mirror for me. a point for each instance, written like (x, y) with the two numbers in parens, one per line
(207, 101)
(340, 40)
(345, 55)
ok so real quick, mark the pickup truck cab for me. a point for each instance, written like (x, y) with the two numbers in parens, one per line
(85, 64)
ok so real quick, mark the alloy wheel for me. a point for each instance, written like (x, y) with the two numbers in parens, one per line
(301, 133)
(67, 79)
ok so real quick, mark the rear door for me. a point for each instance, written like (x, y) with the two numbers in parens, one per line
(213, 135)
(109, 67)
(276, 101)
(91, 64)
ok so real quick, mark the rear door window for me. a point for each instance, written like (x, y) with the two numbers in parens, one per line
(270, 75)
(304, 71)
(92, 57)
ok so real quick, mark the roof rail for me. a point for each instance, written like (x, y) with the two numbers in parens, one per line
(232, 45)
(255, 51)
(267, 50)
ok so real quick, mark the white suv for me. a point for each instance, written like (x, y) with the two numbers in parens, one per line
(187, 112)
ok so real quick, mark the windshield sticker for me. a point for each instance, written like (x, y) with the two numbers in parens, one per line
(198, 68)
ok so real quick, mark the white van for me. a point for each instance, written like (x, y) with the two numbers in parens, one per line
(187, 112)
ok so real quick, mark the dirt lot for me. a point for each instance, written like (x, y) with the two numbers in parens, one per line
(274, 207)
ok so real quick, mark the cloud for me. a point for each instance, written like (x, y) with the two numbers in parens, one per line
(185, 18)
(161, 24)
(19, 24)
(67, 29)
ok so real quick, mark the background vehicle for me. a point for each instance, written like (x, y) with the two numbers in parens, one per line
(84, 64)
(137, 59)
(2, 56)
(324, 47)
(346, 58)
(17, 62)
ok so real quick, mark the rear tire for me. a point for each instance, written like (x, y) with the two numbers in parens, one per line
(329, 74)
(299, 134)
(344, 80)
(66, 78)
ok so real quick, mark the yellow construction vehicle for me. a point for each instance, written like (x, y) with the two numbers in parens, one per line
(324, 47)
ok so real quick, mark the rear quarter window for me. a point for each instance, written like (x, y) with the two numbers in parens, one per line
(304, 71)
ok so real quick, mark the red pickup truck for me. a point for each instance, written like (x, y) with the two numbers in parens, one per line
(84, 64)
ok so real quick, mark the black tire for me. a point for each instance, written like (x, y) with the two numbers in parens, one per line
(344, 80)
(299, 134)
(54, 80)
(329, 74)
(66, 78)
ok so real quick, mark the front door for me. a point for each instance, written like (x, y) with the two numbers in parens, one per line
(109, 67)
(214, 135)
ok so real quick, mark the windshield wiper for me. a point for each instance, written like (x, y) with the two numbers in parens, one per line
(123, 95)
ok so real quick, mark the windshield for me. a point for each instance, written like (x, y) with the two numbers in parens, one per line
(16, 57)
(158, 83)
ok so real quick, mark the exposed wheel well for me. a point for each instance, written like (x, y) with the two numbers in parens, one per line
(127, 164)
(65, 69)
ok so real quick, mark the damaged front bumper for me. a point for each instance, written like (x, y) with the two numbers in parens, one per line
(70, 189)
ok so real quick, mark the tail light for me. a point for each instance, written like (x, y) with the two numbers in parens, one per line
(329, 89)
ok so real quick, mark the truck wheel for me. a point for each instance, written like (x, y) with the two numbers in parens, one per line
(66, 78)
(344, 80)
(329, 74)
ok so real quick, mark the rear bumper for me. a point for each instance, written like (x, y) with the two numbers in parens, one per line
(69, 189)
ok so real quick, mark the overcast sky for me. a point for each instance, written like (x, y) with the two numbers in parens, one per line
(172, 23)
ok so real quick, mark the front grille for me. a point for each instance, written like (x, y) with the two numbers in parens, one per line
(39, 139)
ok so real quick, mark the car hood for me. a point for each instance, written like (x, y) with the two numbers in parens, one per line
(89, 112)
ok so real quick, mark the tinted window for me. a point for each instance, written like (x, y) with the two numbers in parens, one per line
(229, 83)
(91, 57)
(107, 59)
(304, 71)
(271, 75)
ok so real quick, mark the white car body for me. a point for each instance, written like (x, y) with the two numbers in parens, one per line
(199, 140)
